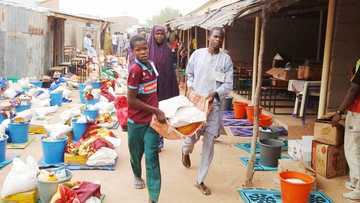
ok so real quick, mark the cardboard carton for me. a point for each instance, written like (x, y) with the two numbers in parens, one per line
(325, 133)
(328, 161)
(283, 74)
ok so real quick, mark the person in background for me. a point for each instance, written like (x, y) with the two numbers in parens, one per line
(143, 104)
(87, 43)
(160, 53)
(209, 74)
(351, 104)
(115, 41)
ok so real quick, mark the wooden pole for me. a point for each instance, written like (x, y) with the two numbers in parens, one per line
(250, 167)
(224, 41)
(255, 59)
(327, 58)
(188, 42)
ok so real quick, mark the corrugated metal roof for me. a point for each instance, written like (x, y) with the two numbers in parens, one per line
(225, 15)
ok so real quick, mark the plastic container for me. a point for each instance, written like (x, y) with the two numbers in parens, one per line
(96, 85)
(270, 152)
(228, 103)
(91, 114)
(91, 101)
(295, 192)
(47, 189)
(3, 142)
(239, 109)
(18, 133)
(78, 130)
(56, 99)
(250, 113)
(53, 150)
(82, 98)
(37, 83)
(20, 108)
(265, 120)
(2, 117)
(81, 86)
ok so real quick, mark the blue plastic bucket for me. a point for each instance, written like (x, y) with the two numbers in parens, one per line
(92, 114)
(56, 99)
(82, 86)
(37, 83)
(2, 117)
(18, 132)
(82, 98)
(20, 108)
(78, 130)
(53, 150)
(96, 85)
(3, 142)
(92, 101)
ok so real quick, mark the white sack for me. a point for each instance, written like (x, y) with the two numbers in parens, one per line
(21, 178)
(104, 156)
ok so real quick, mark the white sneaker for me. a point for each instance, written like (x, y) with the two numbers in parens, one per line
(350, 185)
(354, 195)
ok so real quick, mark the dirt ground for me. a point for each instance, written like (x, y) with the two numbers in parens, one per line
(225, 177)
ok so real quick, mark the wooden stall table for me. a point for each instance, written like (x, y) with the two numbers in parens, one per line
(80, 67)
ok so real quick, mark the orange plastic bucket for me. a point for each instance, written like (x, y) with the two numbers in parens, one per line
(265, 120)
(239, 109)
(295, 187)
(250, 113)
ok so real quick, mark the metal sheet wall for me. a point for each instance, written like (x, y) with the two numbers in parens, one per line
(23, 42)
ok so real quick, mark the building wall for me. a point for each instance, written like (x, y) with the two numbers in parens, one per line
(346, 50)
(23, 41)
(76, 29)
(240, 42)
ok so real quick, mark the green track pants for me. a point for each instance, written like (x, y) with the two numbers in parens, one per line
(142, 138)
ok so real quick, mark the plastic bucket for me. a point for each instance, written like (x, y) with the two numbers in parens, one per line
(250, 113)
(13, 79)
(270, 152)
(37, 83)
(18, 132)
(239, 109)
(53, 150)
(78, 130)
(3, 142)
(96, 85)
(56, 99)
(265, 120)
(82, 86)
(228, 103)
(92, 114)
(2, 117)
(47, 189)
(82, 98)
(292, 192)
(20, 108)
(92, 101)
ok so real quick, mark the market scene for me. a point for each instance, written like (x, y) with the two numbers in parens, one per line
(254, 101)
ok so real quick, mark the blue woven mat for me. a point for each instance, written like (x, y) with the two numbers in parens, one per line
(257, 165)
(247, 147)
(75, 167)
(258, 195)
(236, 122)
(228, 115)
(240, 131)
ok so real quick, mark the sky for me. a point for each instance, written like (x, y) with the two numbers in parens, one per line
(141, 9)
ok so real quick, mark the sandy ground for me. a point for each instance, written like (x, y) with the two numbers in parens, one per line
(225, 177)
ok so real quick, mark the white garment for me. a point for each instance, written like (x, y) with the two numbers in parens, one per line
(114, 39)
(352, 145)
(87, 43)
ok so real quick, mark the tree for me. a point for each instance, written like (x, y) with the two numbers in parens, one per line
(164, 15)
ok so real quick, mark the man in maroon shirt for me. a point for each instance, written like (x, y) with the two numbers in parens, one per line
(143, 104)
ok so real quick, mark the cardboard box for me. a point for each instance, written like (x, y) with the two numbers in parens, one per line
(312, 72)
(328, 161)
(325, 133)
(283, 74)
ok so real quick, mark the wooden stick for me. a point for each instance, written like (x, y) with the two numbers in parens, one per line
(250, 167)
(256, 55)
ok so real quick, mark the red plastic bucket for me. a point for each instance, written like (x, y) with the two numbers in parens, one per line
(250, 113)
(239, 109)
